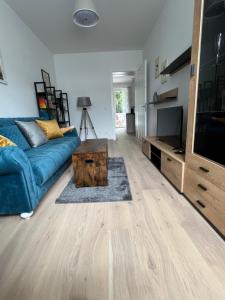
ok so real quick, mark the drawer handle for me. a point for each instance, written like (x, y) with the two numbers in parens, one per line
(89, 161)
(202, 187)
(204, 169)
(169, 159)
(200, 203)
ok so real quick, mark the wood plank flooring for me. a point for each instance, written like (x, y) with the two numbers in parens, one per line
(155, 247)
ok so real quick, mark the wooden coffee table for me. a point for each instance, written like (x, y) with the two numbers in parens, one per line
(90, 163)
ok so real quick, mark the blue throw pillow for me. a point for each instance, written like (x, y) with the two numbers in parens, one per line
(15, 135)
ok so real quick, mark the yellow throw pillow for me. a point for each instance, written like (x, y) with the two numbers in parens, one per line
(67, 129)
(4, 142)
(50, 128)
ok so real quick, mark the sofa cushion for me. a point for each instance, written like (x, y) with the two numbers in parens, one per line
(47, 159)
(33, 133)
(4, 142)
(50, 128)
(15, 135)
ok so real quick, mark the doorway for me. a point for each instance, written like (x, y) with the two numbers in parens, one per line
(121, 101)
(123, 94)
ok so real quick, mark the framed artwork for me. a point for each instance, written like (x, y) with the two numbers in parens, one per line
(42, 103)
(163, 66)
(157, 67)
(2, 71)
(46, 78)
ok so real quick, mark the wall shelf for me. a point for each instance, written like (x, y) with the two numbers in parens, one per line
(183, 60)
(167, 96)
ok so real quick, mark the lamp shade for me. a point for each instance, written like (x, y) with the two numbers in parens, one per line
(214, 8)
(85, 13)
(83, 101)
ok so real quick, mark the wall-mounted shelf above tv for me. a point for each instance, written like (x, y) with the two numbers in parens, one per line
(167, 96)
(183, 60)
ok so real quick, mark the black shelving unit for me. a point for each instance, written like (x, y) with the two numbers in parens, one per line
(62, 108)
(52, 104)
(46, 101)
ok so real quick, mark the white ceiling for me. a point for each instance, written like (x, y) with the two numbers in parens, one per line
(124, 24)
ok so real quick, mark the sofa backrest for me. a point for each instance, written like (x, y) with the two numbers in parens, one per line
(9, 129)
(6, 122)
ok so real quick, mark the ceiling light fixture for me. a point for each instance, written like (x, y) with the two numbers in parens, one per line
(85, 13)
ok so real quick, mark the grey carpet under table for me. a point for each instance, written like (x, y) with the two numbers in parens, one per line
(118, 188)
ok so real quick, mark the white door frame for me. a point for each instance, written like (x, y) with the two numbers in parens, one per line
(141, 101)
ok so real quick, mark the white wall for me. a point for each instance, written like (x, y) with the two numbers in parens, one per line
(90, 74)
(170, 37)
(23, 55)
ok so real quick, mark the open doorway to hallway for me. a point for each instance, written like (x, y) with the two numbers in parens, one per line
(121, 101)
(123, 95)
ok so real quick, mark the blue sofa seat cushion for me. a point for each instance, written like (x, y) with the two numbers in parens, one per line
(15, 135)
(47, 159)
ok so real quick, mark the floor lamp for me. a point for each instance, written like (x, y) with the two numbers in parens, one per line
(84, 103)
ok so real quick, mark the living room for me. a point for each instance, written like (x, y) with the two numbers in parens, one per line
(91, 211)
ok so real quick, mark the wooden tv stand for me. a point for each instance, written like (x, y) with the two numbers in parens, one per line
(166, 160)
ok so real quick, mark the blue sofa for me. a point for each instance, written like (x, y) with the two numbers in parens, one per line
(26, 173)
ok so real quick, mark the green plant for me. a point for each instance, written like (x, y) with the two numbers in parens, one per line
(119, 97)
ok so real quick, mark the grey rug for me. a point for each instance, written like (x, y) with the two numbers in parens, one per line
(118, 188)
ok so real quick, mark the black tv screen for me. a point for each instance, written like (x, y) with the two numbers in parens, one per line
(169, 125)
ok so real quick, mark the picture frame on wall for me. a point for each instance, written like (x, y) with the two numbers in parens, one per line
(2, 71)
(157, 67)
(46, 78)
(163, 67)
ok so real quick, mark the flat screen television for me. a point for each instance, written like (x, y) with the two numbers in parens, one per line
(170, 125)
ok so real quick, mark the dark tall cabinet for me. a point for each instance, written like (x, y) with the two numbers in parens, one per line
(204, 181)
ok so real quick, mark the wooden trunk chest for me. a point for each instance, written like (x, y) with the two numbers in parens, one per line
(90, 163)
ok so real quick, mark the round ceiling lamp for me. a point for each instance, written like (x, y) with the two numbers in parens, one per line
(85, 13)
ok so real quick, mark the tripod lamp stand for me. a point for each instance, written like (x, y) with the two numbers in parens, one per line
(84, 103)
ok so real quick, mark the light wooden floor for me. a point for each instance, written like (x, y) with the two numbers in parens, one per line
(156, 247)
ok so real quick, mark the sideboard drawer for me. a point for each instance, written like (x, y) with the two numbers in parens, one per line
(173, 170)
(206, 197)
(208, 170)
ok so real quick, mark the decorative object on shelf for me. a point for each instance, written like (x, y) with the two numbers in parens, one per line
(163, 67)
(155, 97)
(84, 103)
(165, 97)
(46, 78)
(85, 13)
(2, 71)
(42, 103)
(183, 60)
(157, 67)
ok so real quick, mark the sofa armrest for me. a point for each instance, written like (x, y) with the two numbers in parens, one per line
(72, 133)
(18, 190)
(12, 159)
